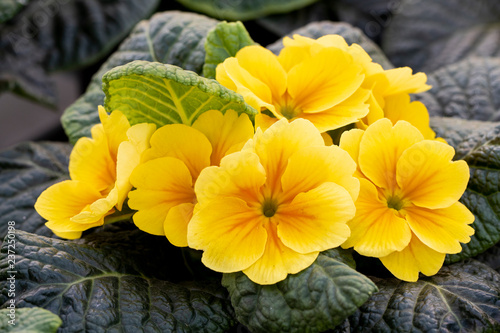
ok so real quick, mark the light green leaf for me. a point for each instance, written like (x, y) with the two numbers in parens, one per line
(244, 10)
(429, 34)
(28, 320)
(165, 94)
(224, 41)
(469, 89)
(464, 297)
(115, 282)
(314, 300)
(351, 35)
(171, 37)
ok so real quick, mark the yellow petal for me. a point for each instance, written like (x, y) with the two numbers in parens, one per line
(176, 224)
(90, 161)
(399, 107)
(240, 175)
(401, 80)
(316, 220)
(323, 81)
(349, 141)
(66, 199)
(161, 184)
(327, 139)
(230, 233)
(227, 133)
(376, 230)
(68, 229)
(277, 261)
(255, 92)
(263, 121)
(275, 146)
(295, 51)
(68, 235)
(347, 112)
(428, 176)
(98, 209)
(373, 115)
(182, 142)
(415, 258)
(264, 66)
(310, 167)
(115, 126)
(381, 147)
(129, 156)
(441, 229)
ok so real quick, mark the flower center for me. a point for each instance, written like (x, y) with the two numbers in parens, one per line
(395, 202)
(269, 207)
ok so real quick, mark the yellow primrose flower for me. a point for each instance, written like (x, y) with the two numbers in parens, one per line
(390, 89)
(164, 197)
(323, 87)
(407, 213)
(99, 169)
(269, 209)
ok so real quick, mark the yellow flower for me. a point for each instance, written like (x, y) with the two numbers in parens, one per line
(269, 209)
(407, 213)
(164, 197)
(390, 89)
(99, 168)
(323, 86)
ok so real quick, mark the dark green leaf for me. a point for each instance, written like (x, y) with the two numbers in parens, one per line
(110, 283)
(224, 41)
(469, 89)
(165, 94)
(9, 8)
(464, 297)
(243, 10)
(29, 320)
(25, 171)
(351, 35)
(51, 35)
(314, 300)
(172, 38)
(428, 34)
(491, 257)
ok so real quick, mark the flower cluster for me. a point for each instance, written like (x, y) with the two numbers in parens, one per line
(266, 199)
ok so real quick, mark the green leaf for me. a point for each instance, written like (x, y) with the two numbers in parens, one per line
(165, 94)
(466, 28)
(114, 282)
(351, 35)
(9, 8)
(244, 10)
(171, 37)
(52, 35)
(28, 320)
(491, 257)
(469, 89)
(314, 300)
(223, 42)
(464, 297)
(25, 171)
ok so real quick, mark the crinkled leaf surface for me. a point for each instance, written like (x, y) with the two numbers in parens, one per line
(469, 89)
(29, 320)
(165, 94)
(224, 41)
(428, 34)
(491, 257)
(114, 282)
(351, 35)
(25, 171)
(172, 37)
(464, 297)
(50, 35)
(314, 300)
(243, 10)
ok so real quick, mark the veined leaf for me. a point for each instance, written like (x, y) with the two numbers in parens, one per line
(165, 94)
(429, 34)
(29, 320)
(224, 41)
(171, 37)
(464, 297)
(113, 282)
(350, 34)
(314, 300)
(25, 171)
(244, 10)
